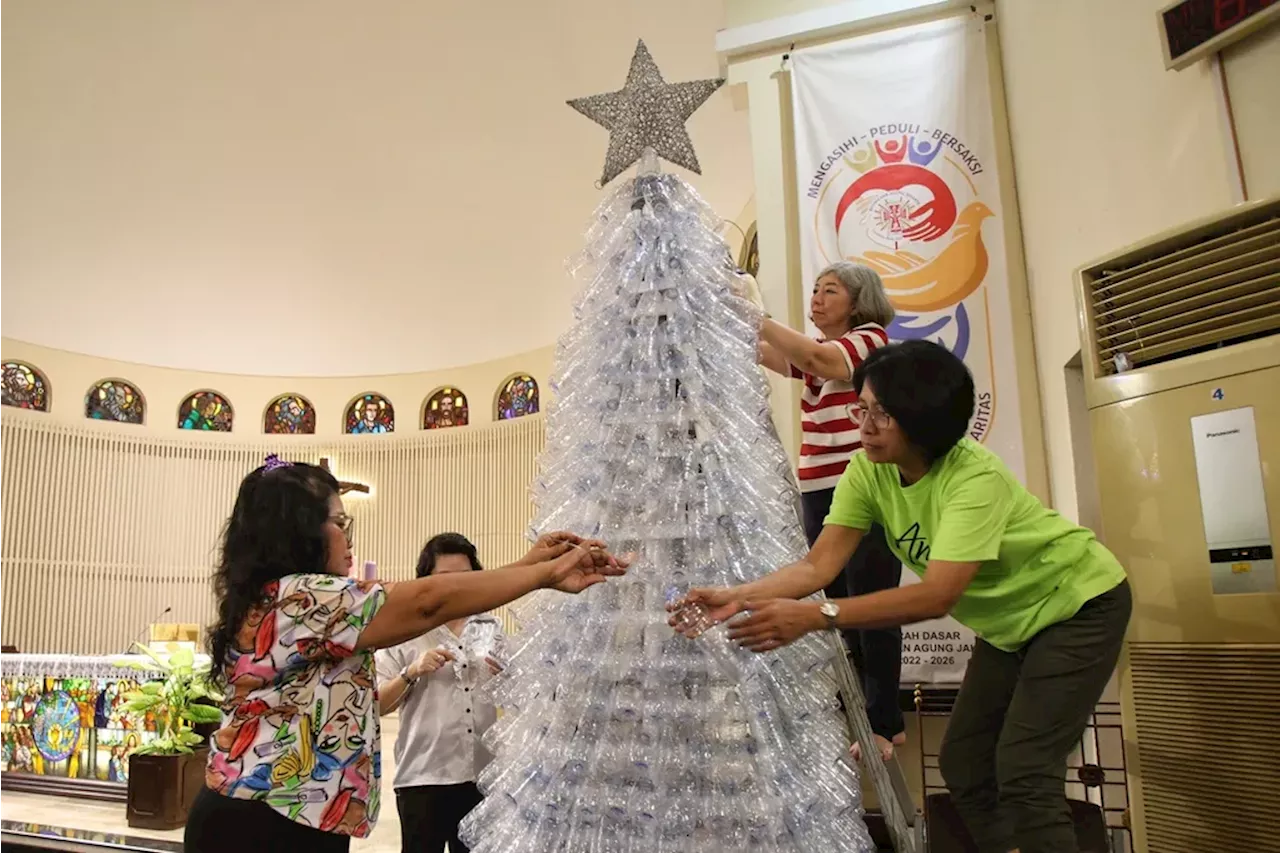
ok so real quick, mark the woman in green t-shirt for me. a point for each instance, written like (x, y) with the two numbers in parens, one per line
(1048, 603)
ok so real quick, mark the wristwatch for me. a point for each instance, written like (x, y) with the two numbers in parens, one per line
(406, 678)
(830, 611)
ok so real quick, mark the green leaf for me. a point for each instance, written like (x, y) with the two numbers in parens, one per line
(130, 663)
(183, 657)
(164, 746)
(188, 738)
(203, 714)
(159, 661)
(141, 703)
(152, 688)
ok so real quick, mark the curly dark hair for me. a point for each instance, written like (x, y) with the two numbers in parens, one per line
(446, 543)
(276, 529)
(926, 388)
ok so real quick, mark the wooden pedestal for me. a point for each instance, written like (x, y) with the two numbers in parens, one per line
(162, 788)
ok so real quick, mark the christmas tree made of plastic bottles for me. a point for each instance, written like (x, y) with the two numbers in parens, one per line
(617, 734)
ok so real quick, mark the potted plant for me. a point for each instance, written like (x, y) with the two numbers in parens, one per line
(166, 774)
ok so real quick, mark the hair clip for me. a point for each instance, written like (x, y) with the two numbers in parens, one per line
(273, 462)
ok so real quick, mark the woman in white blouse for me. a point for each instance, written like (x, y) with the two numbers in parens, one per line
(434, 681)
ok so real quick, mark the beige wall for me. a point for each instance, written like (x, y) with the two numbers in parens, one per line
(1252, 69)
(1109, 147)
(71, 376)
(742, 12)
(230, 186)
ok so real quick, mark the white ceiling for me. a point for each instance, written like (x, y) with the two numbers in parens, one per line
(318, 187)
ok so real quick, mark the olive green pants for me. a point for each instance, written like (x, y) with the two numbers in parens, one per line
(1017, 719)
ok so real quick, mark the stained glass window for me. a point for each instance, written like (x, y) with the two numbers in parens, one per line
(115, 400)
(24, 387)
(206, 410)
(518, 397)
(370, 414)
(70, 726)
(445, 407)
(289, 414)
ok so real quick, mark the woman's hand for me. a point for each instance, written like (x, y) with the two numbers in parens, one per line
(716, 603)
(552, 545)
(585, 564)
(775, 623)
(430, 661)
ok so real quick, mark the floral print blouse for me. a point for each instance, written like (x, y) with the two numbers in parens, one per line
(300, 725)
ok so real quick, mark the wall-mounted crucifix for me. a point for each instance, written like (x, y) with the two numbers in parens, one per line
(345, 486)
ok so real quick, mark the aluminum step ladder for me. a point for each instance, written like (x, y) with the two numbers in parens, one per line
(905, 821)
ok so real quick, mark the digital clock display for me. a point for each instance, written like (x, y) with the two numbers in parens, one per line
(1193, 23)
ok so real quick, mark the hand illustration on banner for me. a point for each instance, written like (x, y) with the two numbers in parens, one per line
(914, 206)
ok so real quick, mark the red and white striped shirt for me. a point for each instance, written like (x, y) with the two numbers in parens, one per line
(829, 436)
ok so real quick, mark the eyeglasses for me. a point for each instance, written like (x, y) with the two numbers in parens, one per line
(344, 523)
(877, 416)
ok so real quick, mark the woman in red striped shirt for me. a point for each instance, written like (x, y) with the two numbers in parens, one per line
(850, 308)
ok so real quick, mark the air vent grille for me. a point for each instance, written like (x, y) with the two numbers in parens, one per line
(1208, 745)
(1212, 286)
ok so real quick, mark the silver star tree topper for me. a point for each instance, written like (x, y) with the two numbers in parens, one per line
(647, 112)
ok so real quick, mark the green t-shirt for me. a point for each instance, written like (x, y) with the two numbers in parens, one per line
(1037, 568)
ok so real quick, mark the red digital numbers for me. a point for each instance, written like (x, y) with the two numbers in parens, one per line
(1189, 25)
(1228, 13)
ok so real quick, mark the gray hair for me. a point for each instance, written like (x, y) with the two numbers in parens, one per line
(866, 292)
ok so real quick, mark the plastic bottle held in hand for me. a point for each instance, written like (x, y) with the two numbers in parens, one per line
(370, 570)
(691, 619)
(479, 641)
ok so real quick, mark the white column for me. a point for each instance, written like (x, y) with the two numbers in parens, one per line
(770, 124)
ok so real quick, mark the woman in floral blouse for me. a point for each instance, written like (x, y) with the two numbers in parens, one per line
(297, 763)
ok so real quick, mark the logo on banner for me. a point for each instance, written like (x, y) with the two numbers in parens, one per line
(901, 199)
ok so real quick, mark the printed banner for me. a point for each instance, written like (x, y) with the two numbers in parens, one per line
(896, 170)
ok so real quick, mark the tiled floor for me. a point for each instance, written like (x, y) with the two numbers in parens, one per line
(110, 817)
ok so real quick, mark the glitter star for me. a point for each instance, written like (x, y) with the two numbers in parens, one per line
(647, 112)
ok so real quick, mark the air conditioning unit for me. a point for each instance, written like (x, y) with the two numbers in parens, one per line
(1180, 342)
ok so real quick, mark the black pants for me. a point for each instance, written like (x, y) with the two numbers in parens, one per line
(219, 824)
(430, 814)
(1016, 720)
(876, 654)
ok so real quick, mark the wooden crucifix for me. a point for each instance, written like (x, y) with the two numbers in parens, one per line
(345, 486)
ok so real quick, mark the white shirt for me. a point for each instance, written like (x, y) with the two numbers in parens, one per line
(442, 719)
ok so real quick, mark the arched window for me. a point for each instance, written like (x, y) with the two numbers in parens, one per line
(206, 410)
(370, 414)
(518, 397)
(24, 387)
(289, 414)
(445, 407)
(115, 400)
